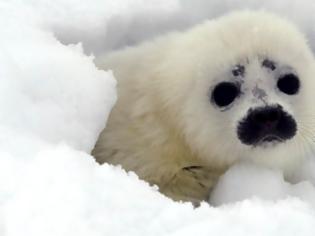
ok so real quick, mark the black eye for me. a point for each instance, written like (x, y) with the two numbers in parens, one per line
(225, 93)
(269, 64)
(289, 84)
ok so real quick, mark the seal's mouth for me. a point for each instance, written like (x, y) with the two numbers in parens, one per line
(269, 140)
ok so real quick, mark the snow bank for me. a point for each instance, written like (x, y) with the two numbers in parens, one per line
(54, 102)
(142, 24)
(245, 181)
(48, 89)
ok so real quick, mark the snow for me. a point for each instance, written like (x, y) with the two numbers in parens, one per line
(54, 102)
(256, 181)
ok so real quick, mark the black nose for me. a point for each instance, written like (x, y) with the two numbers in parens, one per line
(267, 117)
(266, 124)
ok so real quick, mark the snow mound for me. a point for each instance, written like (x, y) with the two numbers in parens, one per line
(245, 181)
(49, 89)
(54, 102)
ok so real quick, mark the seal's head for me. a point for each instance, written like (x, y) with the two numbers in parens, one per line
(252, 92)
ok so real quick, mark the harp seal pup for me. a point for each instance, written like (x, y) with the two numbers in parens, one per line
(193, 103)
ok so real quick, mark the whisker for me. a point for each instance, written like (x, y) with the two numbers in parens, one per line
(308, 137)
(308, 130)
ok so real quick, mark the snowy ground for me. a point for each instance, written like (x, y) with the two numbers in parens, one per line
(53, 104)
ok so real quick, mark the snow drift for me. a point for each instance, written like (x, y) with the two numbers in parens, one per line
(54, 102)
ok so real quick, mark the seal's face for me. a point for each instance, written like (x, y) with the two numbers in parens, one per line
(257, 109)
(265, 87)
(262, 111)
(248, 93)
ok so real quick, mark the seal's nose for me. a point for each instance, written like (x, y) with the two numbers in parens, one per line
(266, 124)
(267, 118)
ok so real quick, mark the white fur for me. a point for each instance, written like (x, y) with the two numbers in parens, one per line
(164, 121)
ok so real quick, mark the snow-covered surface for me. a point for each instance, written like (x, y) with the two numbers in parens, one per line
(54, 102)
